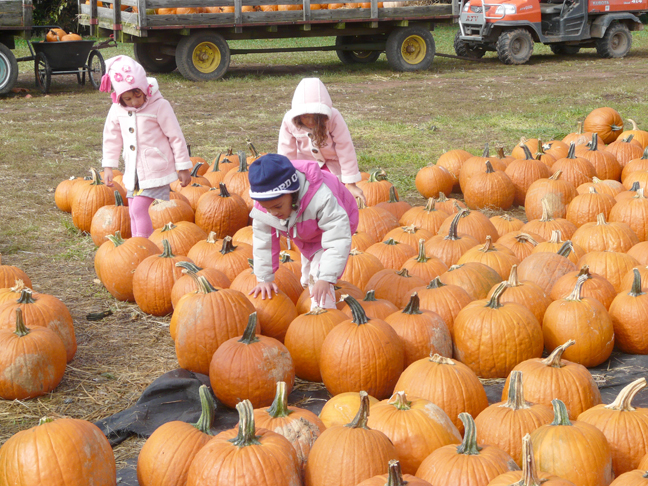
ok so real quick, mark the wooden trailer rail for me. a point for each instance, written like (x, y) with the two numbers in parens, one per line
(16, 15)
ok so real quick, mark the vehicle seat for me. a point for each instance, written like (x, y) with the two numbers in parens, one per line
(550, 8)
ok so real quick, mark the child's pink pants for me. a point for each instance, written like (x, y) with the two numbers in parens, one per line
(141, 224)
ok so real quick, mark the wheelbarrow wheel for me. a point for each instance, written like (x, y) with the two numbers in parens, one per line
(42, 72)
(96, 68)
(8, 69)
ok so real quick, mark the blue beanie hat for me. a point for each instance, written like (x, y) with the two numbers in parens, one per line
(271, 176)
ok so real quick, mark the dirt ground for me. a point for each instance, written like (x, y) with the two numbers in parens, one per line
(399, 121)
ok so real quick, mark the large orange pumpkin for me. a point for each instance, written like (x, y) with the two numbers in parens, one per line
(544, 269)
(628, 312)
(231, 259)
(595, 287)
(548, 223)
(634, 212)
(361, 267)
(444, 299)
(433, 180)
(221, 212)
(427, 217)
(187, 284)
(395, 286)
(88, 198)
(181, 236)
(450, 247)
(493, 255)
(602, 236)
(473, 223)
(425, 267)
(604, 162)
(172, 211)
(558, 191)
(340, 409)
(606, 122)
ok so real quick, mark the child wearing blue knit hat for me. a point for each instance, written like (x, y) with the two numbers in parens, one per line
(312, 208)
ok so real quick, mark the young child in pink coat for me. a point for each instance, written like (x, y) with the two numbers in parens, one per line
(314, 130)
(142, 127)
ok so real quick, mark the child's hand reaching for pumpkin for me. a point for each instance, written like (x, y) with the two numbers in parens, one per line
(265, 289)
(356, 192)
(185, 177)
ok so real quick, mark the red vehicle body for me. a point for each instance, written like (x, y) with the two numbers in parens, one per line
(511, 27)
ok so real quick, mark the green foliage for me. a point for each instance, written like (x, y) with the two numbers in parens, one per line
(56, 12)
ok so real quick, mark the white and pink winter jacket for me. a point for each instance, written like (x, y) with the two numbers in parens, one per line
(325, 220)
(149, 139)
(338, 155)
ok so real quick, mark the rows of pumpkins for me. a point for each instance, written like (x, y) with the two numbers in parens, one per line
(432, 298)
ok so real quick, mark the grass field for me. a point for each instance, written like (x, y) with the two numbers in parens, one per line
(399, 122)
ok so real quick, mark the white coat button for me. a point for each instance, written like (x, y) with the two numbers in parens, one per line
(132, 147)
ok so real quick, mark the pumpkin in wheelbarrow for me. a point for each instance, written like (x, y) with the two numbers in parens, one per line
(54, 35)
(70, 37)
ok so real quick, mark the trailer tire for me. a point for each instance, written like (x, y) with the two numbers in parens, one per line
(616, 42)
(465, 49)
(203, 56)
(8, 69)
(515, 46)
(410, 49)
(152, 59)
(354, 57)
(564, 50)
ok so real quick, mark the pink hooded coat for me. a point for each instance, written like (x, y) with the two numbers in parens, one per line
(149, 138)
(338, 155)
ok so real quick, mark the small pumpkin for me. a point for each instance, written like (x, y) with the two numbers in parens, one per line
(375, 221)
(409, 235)
(547, 224)
(10, 274)
(374, 308)
(340, 409)
(221, 212)
(395, 206)
(187, 284)
(428, 217)
(274, 314)
(595, 286)
(203, 249)
(475, 165)
(450, 247)
(584, 208)
(611, 265)
(497, 257)
(391, 253)
(520, 243)
(605, 186)
(423, 266)
(605, 236)
(172, 211)
(361, 267)
(555, 243)
(109, 219)
(394, 285)
(604, 162)
(446, 300)
(475, 278)
(452, 161)
(181, 236)
(625, 150)
(376, 188)
(474, 223)
(606, 122)
(525, 171)
(634, 212)
(433, 180)
(231, 259)
(238, 183)
(544, 269)
(88, 198)
(505, 223)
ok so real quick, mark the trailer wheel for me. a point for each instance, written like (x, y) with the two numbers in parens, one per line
(354, 57)
(564, 50)
(8, 69)
(465, 49)
(515, 46)
(410, 49)
(42, 72)
(616, 42)
(152, 59)
(96, 68)
(203, 56)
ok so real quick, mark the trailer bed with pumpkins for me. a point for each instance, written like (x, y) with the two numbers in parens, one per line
(193, 35)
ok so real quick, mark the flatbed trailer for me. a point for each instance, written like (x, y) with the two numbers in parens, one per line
(196, 43)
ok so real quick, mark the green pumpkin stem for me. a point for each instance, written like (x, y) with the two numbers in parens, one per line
(194, 171)
(636, 291)
(358, 313)
(189, 267)
(377, 176)
(45, 420)
(96, 178)
(116, 239)
(370, 296)
(469, 444)
(635, 186)
(561, 415)
(594, 146)
(489, 167)
(284, 257)
(243, 165)
(571, 154)
(228, 246)
(119, 202)
(629, 138)
(515, 399)
(395, 474)
(399, 400)
(204, 287)
(26, 297)
(412, 307)
(216, 166)
(252, 148)
(529, 470)
(391, 242)
(166, 252)
(527, 153)
(360, 420)
(623, 401)
(223, 190)
(513, 280)
(645, 153)
(279, 407)
(208, 407)
(21, 329)
(246, 432)
(486, 152)
(436, 283)
(452, 232)
(393, 197)
(566, 249)
(249, 335)
(554, 358)
(494, 302)
(421, 257)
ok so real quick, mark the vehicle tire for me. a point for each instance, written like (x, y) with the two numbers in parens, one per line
(410, 49)
(42, 72)
(564, 50)
(616, 42)
(203, 56)
(465, 49)
(8, 69)
(96, 68)
(355, 57)
(152, 59)
(515, 46)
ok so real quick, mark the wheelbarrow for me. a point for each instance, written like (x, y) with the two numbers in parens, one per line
(72, 57)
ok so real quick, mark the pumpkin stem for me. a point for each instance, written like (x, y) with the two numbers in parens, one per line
(243, 166)
(360, 420)
(400, 401)
(592, 190)
(212, 237)
(216, 166)
(500, 153)
(625, 397)
(584, 271)
(513, 280)
(488, 246)
(469, 444)
(21, 329)
(594, 146)
(572, 151)
(438, 359)
(575, 295)
(45, 420)
(391, 242)
(635, 186)
(555, 237)
(19, 286)
(194, 171)
(26, 297)
(249, 335)
(116, 239)
(527, 153)
(404, 273)
(228, 246)
(279, 407)
(516, 393)
(223, 190)
(317, 311)
(358, 313)
(600, 219)
(523, 237)
(422, 257)
(645, 153)
(489, 167)
(436, 283)
(494, 302)
(635, 291)
(119, 202)
(561, 415)
(547, 214)
(393, 197)
(431, 203)
(96, 178)
(452, 232)
(204, 287)
(370, 296)
(566, 248)
(395, 475)
(166, 253)
(247, 429)
(208, 407)
(253, 150)
(640, 193)
(377, 176)
(412, 306)
(556, 175)
(529, 471)
(189, 267)
(554, 359)
(361, 204)
(629, 138)
(486, 152)
(540, 152)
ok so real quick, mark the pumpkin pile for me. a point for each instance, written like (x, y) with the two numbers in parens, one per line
(59, 35)
(433, 298)
(262, 8)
